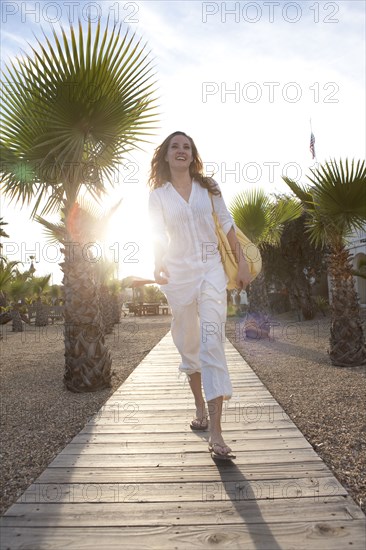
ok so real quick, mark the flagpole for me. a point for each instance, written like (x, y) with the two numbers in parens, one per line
(312, 142)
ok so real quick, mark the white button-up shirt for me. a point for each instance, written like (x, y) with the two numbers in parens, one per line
(186, 232)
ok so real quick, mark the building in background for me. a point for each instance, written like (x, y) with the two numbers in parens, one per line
(357, 247)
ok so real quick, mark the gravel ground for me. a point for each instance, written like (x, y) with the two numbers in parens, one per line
(326, 403)
(39, 416)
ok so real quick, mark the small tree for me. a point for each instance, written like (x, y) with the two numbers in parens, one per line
(262, 219)
(153, 294)
(17, 289)
(39, 286)
(294, 265)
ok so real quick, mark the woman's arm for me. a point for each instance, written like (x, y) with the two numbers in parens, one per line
(159, 265)
(159, 237)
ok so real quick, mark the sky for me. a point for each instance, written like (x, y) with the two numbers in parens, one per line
(247, 80)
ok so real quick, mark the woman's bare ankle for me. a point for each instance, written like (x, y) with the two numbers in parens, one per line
(201, 411)
(216, 437)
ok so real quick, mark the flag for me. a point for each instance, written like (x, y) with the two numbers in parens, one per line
(312, 143)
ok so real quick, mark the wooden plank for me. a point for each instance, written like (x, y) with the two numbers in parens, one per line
(144, 474)
(159, 459)
(187, 399)
(187, 402)
(49, 493)
(191, 435)
(127, 447)
(183, 428)
(135, 394)
(299, 535)
(182, 513)
(249, 414)
(132, 410)
(171, 389)
(142, 425)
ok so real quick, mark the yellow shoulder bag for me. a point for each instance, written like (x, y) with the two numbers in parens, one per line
(250, 251)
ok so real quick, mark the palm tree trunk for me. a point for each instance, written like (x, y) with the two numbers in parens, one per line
(256, 321)
(16, 320)
(347, 343)
(117, 308)
(106, 306)
(87, 359)
(258, 296)
(41, 314)
(300, 292)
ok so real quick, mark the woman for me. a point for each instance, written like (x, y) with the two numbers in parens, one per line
(189, 269)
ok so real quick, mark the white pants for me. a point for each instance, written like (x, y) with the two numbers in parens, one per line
(198, 331)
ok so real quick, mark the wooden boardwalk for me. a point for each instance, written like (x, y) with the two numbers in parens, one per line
(137, 477)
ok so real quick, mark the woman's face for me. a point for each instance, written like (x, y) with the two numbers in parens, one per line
(179, 154)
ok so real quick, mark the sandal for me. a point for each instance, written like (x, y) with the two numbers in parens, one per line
(216, 454)
(197, 424)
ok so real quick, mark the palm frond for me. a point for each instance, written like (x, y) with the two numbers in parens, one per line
(54, 232)
(2, 231)
(304, 194)
(7, 273)
(104, 271)
(336, 201)
(340, 190)
(261, 218)
(92, 222)
(38, 285)
(250, 210)
(18, 288)
(87, 100)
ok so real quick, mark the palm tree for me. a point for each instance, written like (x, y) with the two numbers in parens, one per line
(17, 289)
(55, 294)
(73, 113)
(38, 287)
(8, 271)
(3, 234)
(262, 219)
(115, 294)
(92, 225)
(336, 204)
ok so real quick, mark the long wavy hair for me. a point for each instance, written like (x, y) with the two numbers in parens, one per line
(160, 171)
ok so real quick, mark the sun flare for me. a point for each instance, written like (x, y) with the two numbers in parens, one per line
(128, 240)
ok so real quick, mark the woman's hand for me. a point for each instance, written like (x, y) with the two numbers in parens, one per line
(159, 273)
(243, 278)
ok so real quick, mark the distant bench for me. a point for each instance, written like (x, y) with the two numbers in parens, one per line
(147, 309)
(56, 312)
